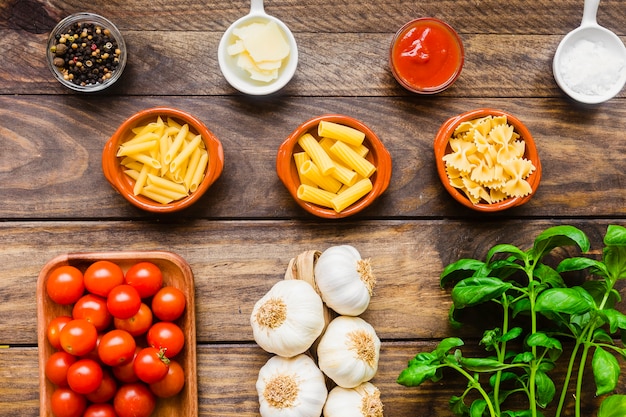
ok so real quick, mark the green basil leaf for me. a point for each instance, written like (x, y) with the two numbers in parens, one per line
(446, 345)
(504, 376)
(415, 375)
(601, 336)
(616, 320)
(522, 413)
(543, 340)
(481, 364)
(548, 276)
(477, 408)
(573, 300)
(520, 306)
(605, 371)
(614, 257)
(613, 406)
(514, 251)
(580, 263)
(473, 291)
(558, 236)
(545, 389)
(514, 333)
(424, 358)
(457, 406)
(524, 357)
(615, 236)
(461, 269)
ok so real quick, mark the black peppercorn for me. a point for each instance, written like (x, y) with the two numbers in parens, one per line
(94, 51)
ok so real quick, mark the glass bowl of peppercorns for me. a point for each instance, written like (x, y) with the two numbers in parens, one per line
(86, 52)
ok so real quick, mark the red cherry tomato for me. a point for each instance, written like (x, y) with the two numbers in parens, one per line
(137, 324)
(116, 347)
(54, 330)
(93, 308)
(150, 365)
(78, 337)
(145, 277)
(106, 391)
(134, 400)
(65, 284)
(172, 383)
(57, 365)
(84, 376)
(100, 410)
(123, 301)
(102, 276)
(125, 372)
(168, 303)
(166, 336)
(66, 403)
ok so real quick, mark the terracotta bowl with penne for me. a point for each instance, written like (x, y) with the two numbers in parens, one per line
(334, 166)
(162, 159)
(487, 160)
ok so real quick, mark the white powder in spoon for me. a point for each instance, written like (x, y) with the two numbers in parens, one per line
(589, 68)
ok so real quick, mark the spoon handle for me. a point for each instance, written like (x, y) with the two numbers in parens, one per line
(256, 7)
(589, 13)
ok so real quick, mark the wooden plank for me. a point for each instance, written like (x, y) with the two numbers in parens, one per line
(468, 16)
(52, 166)
(226, 375)
(348, 64)
(235, 263)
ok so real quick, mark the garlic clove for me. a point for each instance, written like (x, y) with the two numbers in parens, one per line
(291, 387)
(360, 401)
(288, 318)
(348, 351)
(345, 280)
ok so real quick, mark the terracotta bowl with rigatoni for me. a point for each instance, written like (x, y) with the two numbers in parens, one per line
(162, 159)
(334, 166)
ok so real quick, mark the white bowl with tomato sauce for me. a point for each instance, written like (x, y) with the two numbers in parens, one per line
(426, 55)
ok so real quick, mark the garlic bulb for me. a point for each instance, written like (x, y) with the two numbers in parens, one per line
(348, 351)
(344, 280)
(361, 401)
(291, 387)
(288, 318)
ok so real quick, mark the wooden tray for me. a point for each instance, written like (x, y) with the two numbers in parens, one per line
(176, 273)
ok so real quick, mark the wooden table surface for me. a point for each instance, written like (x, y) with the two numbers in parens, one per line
(239, 238)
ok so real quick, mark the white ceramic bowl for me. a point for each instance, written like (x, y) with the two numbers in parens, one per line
(239, 78)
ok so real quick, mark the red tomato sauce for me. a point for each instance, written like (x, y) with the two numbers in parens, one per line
(426, 55)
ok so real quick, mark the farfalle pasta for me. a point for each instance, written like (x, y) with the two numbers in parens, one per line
(487, 161)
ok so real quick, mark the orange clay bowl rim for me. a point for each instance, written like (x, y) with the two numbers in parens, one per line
(442, 147)
(114, 172)
(378, 155)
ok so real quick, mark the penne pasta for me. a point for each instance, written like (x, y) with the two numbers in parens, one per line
(135, 148)
(351, 195)
(312, 147)
(166, 184)
(346, 134)
(141, 180)
(315, 195)
(173, 195)
(352, 159)
(194, 160)
(198, 174)
(313, 173)
(172, 151)
(185, 153)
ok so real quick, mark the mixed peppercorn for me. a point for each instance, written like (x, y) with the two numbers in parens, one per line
(86, 54)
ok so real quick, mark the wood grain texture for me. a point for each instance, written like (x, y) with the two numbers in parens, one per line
(239, 238)
(222, 368)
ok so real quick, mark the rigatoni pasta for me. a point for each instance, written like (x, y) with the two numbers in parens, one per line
(346, 178)
(165, 159)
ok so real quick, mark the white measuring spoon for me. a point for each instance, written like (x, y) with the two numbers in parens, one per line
(239, 78)
(601, 39)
